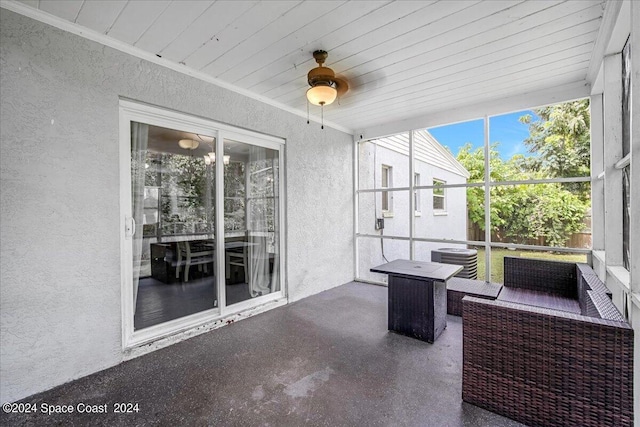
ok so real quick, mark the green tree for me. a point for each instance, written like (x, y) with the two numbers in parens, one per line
(503, 199)
(545, 210)
(560, 140)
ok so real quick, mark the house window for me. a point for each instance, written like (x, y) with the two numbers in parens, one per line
(416, 194)
(386, 183)
(439, 202)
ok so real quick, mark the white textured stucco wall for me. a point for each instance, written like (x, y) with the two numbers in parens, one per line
(59, 199)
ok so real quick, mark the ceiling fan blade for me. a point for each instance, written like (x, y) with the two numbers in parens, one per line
(341, 85)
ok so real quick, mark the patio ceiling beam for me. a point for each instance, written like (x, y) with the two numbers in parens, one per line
(492, 107)
(602, 46)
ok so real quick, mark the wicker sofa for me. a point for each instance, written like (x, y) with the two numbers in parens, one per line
(552, 350)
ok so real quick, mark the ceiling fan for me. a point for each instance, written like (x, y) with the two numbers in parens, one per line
(325, 85)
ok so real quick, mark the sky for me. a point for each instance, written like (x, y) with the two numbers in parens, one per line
(505, 129)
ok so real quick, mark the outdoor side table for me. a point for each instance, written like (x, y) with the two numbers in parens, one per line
(417, 297)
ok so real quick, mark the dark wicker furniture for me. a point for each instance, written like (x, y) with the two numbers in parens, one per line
(549, 367)
(458, 288)
(417, 297)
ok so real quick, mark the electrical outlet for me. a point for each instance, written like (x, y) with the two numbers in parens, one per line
(379, 223)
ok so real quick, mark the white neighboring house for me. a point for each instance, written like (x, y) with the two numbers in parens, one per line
(440, 214)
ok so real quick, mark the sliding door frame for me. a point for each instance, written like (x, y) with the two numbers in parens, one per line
(130, 111)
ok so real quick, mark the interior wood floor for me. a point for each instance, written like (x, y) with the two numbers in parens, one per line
(160, 302)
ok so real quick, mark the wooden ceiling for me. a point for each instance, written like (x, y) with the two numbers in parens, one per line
(402, 58)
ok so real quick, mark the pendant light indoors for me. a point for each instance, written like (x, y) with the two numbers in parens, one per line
(211, 158)
(188, 144)
(325, 86)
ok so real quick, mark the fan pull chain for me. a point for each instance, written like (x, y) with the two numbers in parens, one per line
(307, 111)
(322, 115)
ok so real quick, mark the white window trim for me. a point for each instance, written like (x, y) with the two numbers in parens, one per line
(387, 213)
(443, 184)
(132, 341)
(416, 195)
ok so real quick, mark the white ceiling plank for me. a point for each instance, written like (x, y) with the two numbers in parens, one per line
(511, 103)
(307, 35)
(452, 64)
(379, 89)
(205, 28)
(463, 94)
(256, 18)
(414, 43)
(414, 25)
(453, 24)
(521, 10)
(135, 19)
(447, 88)
(65, 9)
(457, 69)
(99, 15)
(445, 20)
(397, 115)
(175, 19)
(446, 77)
(367, 23)
(489, 41)
(476, 47)
(287, 24)
(567, 71)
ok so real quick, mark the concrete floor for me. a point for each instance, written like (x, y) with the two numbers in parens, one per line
(327, 360)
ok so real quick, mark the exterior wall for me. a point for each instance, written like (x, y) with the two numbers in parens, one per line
(60, 216)
(450, 224)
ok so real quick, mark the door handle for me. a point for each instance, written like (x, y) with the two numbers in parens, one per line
(129, 227)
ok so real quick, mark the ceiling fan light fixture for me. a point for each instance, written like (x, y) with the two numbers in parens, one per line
(325, 85)
(188, 144)
(322, 94)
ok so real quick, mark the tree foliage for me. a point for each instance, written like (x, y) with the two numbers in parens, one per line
(560, 139)
(522, 213)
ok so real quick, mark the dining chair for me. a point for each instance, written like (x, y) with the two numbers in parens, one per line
(193, 254)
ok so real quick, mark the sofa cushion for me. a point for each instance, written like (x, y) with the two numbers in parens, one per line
(539, 299)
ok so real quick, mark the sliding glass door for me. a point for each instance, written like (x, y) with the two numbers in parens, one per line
(173, 193)
(251, 221)
(185, 265)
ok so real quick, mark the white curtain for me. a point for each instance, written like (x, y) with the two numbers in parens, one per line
(139, 138)
(275, 277)
(261, 216)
